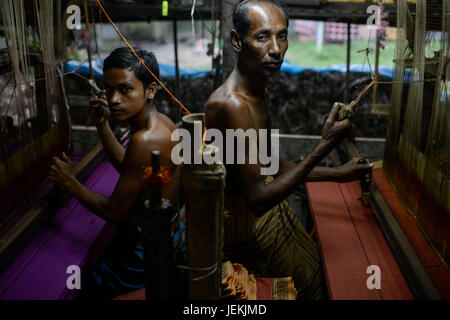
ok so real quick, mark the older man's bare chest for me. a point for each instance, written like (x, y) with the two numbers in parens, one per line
(259, 115)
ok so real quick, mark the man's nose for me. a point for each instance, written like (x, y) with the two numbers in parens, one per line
(115, 98)
(274, 50)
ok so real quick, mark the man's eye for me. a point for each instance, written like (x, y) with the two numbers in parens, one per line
(261, 37)
(126, 90)
(282, 36)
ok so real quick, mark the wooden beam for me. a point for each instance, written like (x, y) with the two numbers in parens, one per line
(122, 12)
(349, 12)
(414, 271)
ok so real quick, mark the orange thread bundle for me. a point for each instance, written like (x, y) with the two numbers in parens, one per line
(159, 179)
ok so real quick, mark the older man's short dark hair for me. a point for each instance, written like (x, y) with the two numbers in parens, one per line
(241, 21)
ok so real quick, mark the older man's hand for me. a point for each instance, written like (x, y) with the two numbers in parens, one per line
(334, 130)
(353, 170)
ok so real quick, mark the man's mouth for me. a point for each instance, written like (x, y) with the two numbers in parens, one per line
(117, 111)
(273, 64)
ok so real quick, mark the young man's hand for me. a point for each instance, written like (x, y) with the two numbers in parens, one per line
(62, 171)
(333, 130)
(353, 170)
(99, 116)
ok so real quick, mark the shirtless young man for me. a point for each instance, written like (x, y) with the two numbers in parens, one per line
(129, 94)
(261, 231)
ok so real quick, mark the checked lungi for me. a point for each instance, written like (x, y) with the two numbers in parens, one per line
(274, 245)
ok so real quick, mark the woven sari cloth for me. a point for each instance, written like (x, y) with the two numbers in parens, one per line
(275, 289)
(238, 284)
(275, 245)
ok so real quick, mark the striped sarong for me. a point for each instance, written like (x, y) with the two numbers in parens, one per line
(274, 245)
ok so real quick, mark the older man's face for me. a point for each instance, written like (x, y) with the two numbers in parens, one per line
(266, 40)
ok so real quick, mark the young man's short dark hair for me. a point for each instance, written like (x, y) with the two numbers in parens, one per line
(241, 21)
(125, 59)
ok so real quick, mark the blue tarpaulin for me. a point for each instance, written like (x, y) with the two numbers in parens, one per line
(165, 70)
(83, 69)
(354, 68)
(168, 71)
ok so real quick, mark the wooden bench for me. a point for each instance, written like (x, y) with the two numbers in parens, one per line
(73, 236)
(350, 240)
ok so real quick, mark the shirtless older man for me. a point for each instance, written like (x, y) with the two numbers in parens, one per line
(261, 231)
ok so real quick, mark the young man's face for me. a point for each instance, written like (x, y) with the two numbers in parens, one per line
(266, 40)
(125, 93)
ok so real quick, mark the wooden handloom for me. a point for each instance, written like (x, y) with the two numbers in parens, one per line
(52, 231)
(351, 237)
(73, 236)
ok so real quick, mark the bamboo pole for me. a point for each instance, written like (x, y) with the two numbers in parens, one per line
(204, 186)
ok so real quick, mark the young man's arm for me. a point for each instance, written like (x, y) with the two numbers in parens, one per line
(115, 152)
(126, 191)
(261, 197)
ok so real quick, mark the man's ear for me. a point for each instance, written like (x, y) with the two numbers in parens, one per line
(236, 41)
(151, 91)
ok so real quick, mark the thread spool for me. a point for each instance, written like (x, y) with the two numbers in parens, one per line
(158, 242)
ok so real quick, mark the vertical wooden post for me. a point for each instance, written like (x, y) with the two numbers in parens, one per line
(177, 67)
(228, 55)
(347, 97)
(86, 16)
(375, 78)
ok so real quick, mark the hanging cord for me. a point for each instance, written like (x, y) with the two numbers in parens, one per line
(183, 108)
(40, 79)
(59, 75)
(348, 110)
(4, 87)
(213, 269)
(7, 110)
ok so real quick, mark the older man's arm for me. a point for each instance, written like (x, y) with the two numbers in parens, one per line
(235, 114)
(347, 172)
